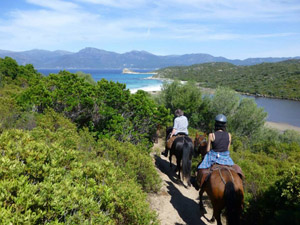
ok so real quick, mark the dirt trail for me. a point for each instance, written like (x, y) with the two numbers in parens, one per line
(176, 203)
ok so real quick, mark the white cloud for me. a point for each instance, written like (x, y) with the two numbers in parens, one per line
(117, 3)
(56, 5)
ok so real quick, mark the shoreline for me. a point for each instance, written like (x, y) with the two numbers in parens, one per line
(281, 126)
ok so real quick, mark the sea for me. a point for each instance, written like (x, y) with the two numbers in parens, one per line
(134, 82)
(279, 110)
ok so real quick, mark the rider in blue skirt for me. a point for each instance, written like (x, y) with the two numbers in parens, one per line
(218, 145)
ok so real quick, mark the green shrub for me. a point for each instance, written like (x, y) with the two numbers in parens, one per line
(280, 203)
(43, 181)
(133, 160)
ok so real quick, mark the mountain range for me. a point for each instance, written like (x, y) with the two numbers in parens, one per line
(93, 58)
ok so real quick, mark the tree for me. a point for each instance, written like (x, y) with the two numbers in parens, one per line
(9, 67)
(248, 118)
(185, 96)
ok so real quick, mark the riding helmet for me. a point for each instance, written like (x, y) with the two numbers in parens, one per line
(221, 118)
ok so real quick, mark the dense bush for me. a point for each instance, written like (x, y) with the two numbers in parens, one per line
(280, 203)
(107, 108)
(43, 181)
(131, 159)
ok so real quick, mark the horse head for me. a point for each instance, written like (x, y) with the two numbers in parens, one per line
(200, 143)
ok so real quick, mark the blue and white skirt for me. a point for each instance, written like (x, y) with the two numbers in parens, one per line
(213, 157)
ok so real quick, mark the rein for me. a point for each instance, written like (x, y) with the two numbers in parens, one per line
(222, 176)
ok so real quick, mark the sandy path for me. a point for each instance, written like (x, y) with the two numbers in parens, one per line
(175, 203)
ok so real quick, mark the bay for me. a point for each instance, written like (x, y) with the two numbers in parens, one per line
(280, 110)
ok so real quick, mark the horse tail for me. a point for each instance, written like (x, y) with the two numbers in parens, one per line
(233, 200)
(187, 150)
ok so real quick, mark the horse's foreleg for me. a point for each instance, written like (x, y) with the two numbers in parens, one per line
(178, 161)
(217, 216)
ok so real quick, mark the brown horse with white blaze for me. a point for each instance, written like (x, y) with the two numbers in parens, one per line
(224, 187)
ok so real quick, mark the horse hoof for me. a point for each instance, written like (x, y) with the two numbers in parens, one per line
(212, 220)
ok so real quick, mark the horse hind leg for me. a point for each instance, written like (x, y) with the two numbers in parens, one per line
(201, 206)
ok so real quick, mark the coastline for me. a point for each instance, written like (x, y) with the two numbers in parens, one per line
(281, 126)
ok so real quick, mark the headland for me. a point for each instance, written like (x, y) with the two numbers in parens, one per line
(128, 71)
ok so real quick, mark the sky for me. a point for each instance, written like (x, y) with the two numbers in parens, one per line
(235, 29)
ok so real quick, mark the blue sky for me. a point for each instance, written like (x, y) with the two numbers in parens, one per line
(235, 29)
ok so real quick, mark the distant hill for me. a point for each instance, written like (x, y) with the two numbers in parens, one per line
(93, 58)
(279, 80)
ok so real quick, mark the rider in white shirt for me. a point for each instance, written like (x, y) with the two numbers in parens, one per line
(180, 127)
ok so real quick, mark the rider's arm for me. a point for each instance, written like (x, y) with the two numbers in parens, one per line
(174, 127)
(209, 142)
(229, 141)
(173, 132)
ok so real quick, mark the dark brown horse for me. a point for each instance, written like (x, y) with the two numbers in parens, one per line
(225, 189)
(183, 149)
(200, 143)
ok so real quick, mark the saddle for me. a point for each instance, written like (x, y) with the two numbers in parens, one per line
(172, 139)
(204, 174)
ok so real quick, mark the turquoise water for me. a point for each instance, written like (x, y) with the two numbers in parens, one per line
(132, 81)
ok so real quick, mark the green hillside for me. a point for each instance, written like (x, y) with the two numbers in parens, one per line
(280, 80)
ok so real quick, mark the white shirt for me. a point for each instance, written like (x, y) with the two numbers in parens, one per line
(180, 125)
